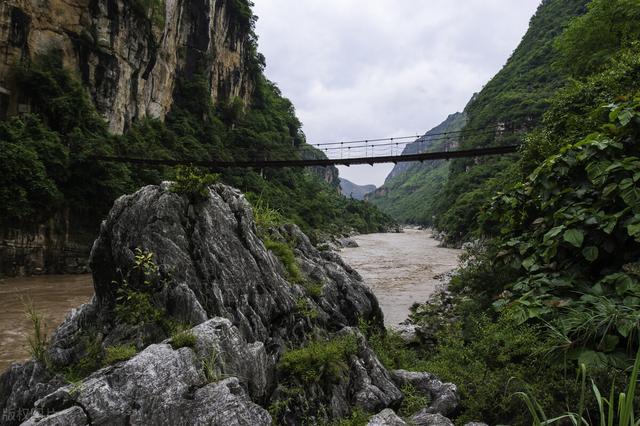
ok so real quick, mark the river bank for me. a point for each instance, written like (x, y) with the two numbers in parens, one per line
(53, 296)
(400, 268)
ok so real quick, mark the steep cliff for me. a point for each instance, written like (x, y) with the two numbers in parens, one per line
(143, 78)
(129, 53)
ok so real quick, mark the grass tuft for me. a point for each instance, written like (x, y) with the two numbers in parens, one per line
(118, 353)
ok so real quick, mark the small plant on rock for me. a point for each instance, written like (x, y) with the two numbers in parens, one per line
(38, 340)
(194, 183)
(183, 339)
(210, 366)
(115, 354)
(327, 360)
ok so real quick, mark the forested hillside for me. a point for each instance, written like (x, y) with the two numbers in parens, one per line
(411, 190)
(551, 290)
(49, 176)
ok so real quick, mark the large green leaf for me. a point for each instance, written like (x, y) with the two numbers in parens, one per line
(631, 196)
(575, 237)
(553, 233)
(590, 253)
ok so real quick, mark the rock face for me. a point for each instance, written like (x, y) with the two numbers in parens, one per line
(129, 53)
(443, 396)
(209, 269)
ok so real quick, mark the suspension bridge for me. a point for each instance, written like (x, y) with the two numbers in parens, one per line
(347, 153)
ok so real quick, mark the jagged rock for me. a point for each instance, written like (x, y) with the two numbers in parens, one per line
(20, 386)
(374, 387)
(443, 396)
(161, 385)
(476, 424)
(424, 418)
(214, 272)
(407, 332)
(212, 263)
(347, 242)
(386, 417)
(73, 416)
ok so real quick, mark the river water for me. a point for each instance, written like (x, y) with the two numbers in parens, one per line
(400, 269)
(53, 296)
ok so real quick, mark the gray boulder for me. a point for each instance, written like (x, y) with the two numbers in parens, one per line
(443, 396)
(429, 419)
(476, 424)
(70, 416)
(407, 332)
(386, 417)
(161, 385)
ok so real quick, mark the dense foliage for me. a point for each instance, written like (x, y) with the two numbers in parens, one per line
(48, 169)
(555, 266)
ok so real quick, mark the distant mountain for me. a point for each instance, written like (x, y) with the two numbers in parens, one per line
(411, 189)
(357, 192)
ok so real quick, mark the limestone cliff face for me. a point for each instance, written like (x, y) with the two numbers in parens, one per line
(129, 53)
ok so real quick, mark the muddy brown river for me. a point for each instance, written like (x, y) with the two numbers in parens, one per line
(400, 269)
(53, 296)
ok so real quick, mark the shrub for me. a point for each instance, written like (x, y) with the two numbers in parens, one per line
(608, 410)
(183, 339)
(288, 259)
(413, 401)
(115, 354)
(320, 360)
(88, 363)
(194, 183)
(493, 360)
(304, 308)
(134, 303)
(358, 417)
(265, 216)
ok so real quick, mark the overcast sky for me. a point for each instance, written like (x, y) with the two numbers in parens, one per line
(363, 69)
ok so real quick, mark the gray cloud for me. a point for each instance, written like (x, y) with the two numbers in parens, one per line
(379, 68)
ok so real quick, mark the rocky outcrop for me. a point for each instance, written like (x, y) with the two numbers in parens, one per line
(206, 266)
(129, 54)
(386, 417)
(163, 260)
(443, 397)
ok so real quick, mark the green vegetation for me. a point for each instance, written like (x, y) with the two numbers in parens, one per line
(115, 354)
(553, 285)
(288, 259)
(358, 417)
(134, 304)
(608, 410)
(304, 308)
(88, 363)
(325, 361)
(47, 164)
(194, 183)
(183, 339)
(413, 401)
(38, 340)
(210, 367)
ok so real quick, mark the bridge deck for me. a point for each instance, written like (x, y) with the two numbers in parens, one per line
(262, 164)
